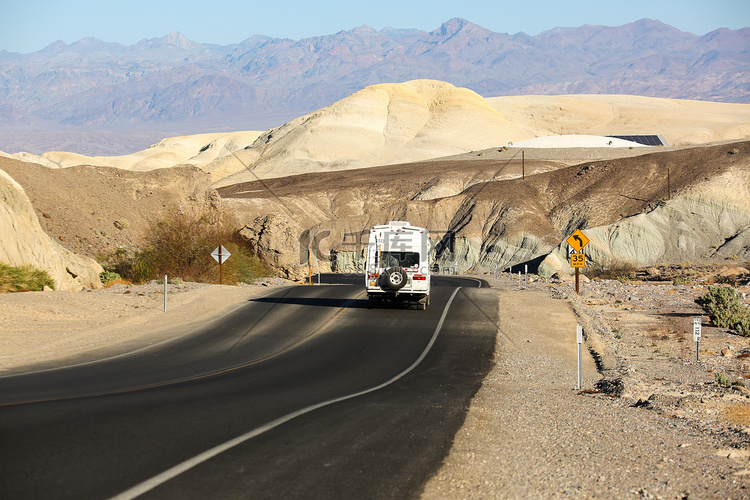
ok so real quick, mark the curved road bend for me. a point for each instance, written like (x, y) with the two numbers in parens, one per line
(99, 429)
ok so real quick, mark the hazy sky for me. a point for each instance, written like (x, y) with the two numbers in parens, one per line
(30, 25)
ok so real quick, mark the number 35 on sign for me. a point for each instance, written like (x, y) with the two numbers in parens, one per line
(577, 260)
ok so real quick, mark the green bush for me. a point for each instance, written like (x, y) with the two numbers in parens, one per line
(180, 245)
(724, 309)
(722, 380)
(107, 276)
(682, 280)
(23, 279)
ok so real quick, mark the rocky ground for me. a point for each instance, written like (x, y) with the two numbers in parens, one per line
(650, 422)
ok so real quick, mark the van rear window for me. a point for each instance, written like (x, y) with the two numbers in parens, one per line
(402, 259)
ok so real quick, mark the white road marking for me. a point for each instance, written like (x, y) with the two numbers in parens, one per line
(178, 469)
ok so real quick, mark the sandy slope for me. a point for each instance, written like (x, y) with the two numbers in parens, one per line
(185, 150)
(681, 122)
(380, 125)
(422, 119)
(40, 329)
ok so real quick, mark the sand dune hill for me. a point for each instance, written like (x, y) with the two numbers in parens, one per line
(25, 243)
(379, 125)
(680, 122)
(185, 150)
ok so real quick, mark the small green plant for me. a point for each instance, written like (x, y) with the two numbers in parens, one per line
(724, 309)
(682, 280)
(108, 276)
(722, 380)
(23, 279)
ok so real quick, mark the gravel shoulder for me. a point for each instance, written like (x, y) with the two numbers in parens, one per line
(650, 422)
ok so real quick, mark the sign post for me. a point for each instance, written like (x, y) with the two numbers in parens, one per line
(577, 241)
(697, 335)
(220, 254)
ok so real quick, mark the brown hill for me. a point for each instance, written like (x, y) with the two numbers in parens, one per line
(93, 211)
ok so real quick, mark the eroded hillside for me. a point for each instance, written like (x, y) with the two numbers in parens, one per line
(485, 222)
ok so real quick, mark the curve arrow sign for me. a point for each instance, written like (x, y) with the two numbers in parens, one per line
(577, 240)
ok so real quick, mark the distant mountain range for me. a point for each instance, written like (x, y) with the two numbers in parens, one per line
(172, 79)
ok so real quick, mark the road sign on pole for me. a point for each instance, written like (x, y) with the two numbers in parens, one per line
(577, 241)
(220, 254)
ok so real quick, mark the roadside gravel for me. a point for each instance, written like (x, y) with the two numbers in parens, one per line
(660, 427)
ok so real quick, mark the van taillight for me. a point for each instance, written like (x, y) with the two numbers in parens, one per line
(418, 277)
(372, 276)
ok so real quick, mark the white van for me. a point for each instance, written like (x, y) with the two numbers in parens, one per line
(397, 265)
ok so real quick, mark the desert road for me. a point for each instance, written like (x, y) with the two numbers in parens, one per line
(303, 393)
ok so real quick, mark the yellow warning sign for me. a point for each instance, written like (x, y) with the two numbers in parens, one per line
(577, 240)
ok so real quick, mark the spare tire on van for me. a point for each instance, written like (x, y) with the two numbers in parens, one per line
(395, 278)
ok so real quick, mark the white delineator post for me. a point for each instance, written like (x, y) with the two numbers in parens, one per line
(165, 293)
(697, 335)
(579, 341)
(526, 275)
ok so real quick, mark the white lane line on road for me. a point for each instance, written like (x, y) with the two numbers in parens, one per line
(479, 282)
(178, 469)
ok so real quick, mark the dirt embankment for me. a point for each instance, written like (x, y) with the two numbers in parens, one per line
(94, 211)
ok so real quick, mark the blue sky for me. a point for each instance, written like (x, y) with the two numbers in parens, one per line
(30, 25)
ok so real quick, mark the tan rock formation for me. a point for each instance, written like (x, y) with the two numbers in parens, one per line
(681, 122)
(25, 243)
(708, 219)
(380, 125)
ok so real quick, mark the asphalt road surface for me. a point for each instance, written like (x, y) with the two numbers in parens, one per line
(305, 393)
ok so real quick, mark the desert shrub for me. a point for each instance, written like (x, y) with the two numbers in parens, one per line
(722, 380)
(23, 279)
(620, 272)
(682, 280)
(107, 276)
(724, 309)
(180, 245)
(742, 324)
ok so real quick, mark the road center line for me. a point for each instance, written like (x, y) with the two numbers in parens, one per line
(178, 469)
